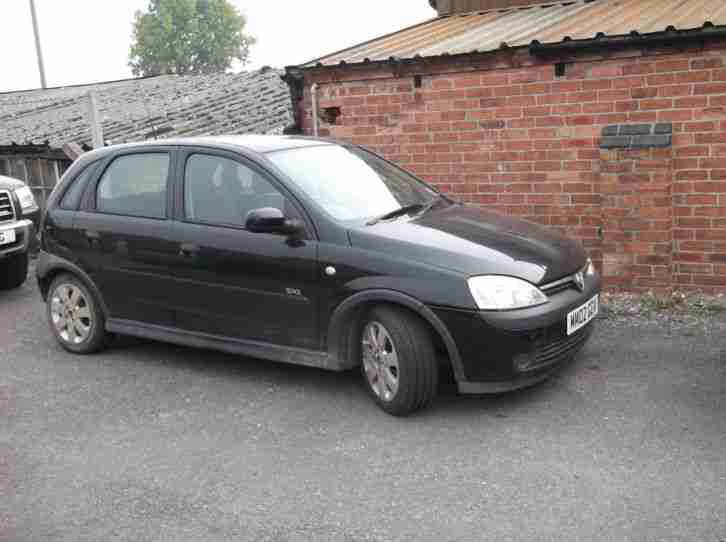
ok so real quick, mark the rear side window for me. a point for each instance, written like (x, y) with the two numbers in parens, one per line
(135, 185)
(72, 198)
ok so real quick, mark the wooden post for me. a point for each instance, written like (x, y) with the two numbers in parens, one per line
(41, 173)
(96, 129)
(25, 171)
(56, 174)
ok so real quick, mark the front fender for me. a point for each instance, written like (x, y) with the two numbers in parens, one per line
(344, 314)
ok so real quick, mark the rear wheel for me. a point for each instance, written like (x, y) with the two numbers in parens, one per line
(13, 271)
(398, 360)
(75, 316)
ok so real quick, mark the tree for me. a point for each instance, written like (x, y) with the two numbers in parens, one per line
(188, 37)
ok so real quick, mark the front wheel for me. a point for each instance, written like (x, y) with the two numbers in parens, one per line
(13, 271)
(398, 360)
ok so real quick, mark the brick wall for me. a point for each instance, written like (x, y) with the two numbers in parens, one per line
(504, 132)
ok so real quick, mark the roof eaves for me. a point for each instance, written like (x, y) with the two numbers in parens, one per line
(669, 36)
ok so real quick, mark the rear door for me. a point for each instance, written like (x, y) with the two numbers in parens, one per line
(240, 284)
(124, 235)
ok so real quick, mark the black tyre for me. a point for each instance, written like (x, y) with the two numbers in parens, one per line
(13, 271)
(75, 316)
(398, 360)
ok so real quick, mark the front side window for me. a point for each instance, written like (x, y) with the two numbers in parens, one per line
(349, 183)
(135, 185)
(222, 191)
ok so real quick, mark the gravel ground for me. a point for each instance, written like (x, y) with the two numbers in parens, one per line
(154, 442)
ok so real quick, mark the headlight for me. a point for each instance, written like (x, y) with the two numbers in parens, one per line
(25, 197)
(502, 293)
(589, 267)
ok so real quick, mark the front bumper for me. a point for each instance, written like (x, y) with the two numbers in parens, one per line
(24, 236)
(507, 350)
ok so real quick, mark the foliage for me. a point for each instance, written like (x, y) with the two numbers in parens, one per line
(188, 37)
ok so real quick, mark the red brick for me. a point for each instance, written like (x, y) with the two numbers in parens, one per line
(711, 187)
(629, 82)
(672, 65)
(675, 116)
(674, 90)
(536, 88)
(540, 111)
(467, 81)
(550, 121)
(713, 163)
(582, 97)
(693, 77)
(441, 84)
(640, 93)
(515, 90)
(705, 63)
(656, 104)
(710, 88)
(694, 101)
(639, 68)
(701, 199)
(613, 95)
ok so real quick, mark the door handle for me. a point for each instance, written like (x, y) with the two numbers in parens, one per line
(93, 236)
(188, 250)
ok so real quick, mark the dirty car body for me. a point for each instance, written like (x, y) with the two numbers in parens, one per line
(505, 301)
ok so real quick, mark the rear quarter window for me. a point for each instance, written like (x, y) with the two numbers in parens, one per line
(135, 185)
(72, 198)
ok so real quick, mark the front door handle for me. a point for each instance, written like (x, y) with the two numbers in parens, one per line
(188, 250)
(93, 237)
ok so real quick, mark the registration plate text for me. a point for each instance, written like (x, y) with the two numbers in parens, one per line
(582, 315)
(7, 237)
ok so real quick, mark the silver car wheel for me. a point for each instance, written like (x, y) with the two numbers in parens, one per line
(71, 314)
(380, 361)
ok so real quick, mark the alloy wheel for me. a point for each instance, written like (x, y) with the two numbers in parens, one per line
(380, 361)
(71, 314)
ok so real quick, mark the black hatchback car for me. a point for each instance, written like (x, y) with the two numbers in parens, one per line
(312, 252)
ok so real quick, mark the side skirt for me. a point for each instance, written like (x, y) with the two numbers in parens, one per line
(256, 349)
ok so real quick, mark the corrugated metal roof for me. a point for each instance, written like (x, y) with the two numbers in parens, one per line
(138, 109)
(547, 23)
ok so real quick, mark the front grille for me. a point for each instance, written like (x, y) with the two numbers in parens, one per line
(7, 214)
(564, 283)
(559, 286)
(553, 352)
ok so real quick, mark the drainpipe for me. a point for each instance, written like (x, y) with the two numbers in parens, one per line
(316, 120)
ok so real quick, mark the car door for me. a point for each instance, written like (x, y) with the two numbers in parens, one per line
(240, 284)
(123, 235)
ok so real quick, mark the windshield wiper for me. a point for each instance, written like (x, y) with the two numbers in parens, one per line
(426, 208)
(406, 209)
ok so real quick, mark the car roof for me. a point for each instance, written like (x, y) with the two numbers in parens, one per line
(256, 143)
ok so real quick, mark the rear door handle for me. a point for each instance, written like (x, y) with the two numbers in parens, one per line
(93, 236)
(188, 250)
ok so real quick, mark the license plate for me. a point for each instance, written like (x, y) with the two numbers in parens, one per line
(7, 237)
(582, 315)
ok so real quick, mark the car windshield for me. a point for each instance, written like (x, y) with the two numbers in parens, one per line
(350, 183)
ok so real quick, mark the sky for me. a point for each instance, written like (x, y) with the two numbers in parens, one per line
(87, 41)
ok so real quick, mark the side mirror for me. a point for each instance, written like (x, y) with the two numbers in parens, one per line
(271, 220)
